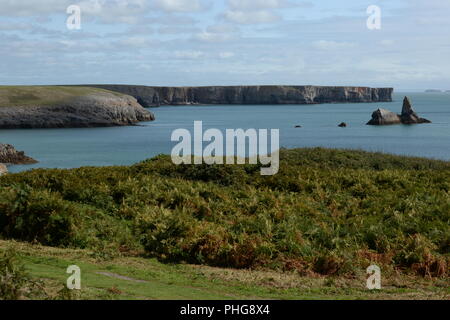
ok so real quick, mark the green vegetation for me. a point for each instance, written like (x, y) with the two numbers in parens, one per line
(15, 282)
(128, 277)
(326, 213)
(11, 96)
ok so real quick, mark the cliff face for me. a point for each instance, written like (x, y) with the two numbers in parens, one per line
(96, 110)
(156, 96)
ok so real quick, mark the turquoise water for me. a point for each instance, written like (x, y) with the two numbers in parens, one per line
(69, 148)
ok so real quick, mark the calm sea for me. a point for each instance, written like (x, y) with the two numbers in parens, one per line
(69, 148)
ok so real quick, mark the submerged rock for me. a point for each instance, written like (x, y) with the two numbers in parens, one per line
(8, 154)
(408, 116)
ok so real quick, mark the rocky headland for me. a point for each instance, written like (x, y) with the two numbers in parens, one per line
(62, 107)
(158, 96)
(386, 117)
(9, 155)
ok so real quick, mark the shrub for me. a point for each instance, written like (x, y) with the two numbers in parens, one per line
(15, 283)
(318, 214)
(34, 215)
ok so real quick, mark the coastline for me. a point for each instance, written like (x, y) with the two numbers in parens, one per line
(130, 144)
(153, 96)
(35, 107)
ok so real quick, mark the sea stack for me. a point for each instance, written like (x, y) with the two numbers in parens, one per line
(386, 117)
(409, 116)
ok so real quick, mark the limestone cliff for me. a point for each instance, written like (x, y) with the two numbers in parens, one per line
(157, 96)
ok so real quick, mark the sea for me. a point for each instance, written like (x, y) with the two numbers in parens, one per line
(72, 148)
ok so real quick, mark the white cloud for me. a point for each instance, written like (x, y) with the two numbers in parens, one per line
(4, 26)
(251, 17)
(15, 8)
(177, 30)
(189, 55)
(328, 44)
(114, 11)
(222, 28)
(206, 36)
(182, 5)
(332, 45)
(256, 11)
(226, 55)
(387, 42)
(218, 33)
(135, 42)
(256, 4)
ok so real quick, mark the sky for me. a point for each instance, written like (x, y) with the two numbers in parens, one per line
(227, 42)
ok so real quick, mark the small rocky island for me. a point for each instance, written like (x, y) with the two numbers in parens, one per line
(386, 117)
(67, 107)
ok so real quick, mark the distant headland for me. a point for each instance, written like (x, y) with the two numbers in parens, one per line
(157, 96)
(67, 107)
(119, 105)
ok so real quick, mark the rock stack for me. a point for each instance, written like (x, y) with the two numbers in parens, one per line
(383, 117)
(408, 116)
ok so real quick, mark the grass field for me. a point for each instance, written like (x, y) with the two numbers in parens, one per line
(143, 278)
(308, 232)
(11, 96)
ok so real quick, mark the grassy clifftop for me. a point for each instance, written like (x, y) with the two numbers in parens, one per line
(11, 96)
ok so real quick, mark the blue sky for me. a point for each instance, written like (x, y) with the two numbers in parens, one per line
(226, 42)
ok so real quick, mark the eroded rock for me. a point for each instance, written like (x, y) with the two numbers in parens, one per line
(384, 117)
(408, 116)
(8, 154)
